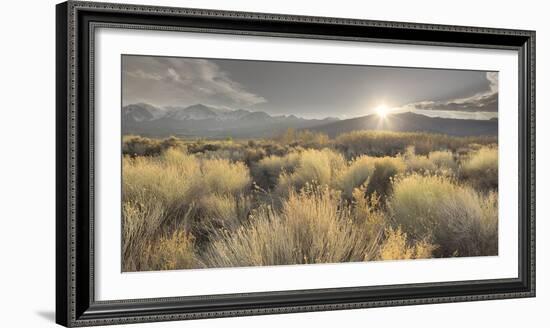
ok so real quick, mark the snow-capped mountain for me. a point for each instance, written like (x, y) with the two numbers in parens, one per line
(203, 120)
(141, 112)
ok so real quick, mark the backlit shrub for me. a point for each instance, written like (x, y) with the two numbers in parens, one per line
(317, 167)
(313, 227)
(451, 216)
(481, 168)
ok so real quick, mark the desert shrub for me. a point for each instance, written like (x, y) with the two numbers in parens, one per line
(305, 138)
(155, 198)
(224, 211)
(443, 160)
(141, 220)
(481, 169)
(366, 211)
(230, 150)
(475, 146)
(488, 233)
(178, 189)
(168, 179)
(434, 209)
(439, 162)
(385, 169)
(387, 143)
(417, 163)
(469, 232)
(172, 252)
(266, 172)
(275, 149)
(201, 147)
(173, 143)
(193, 203)
(355, 175)
(313, 226)
(233, 155)
(223, 177)
(315, 167)
(253, 155)
(141, 146)
(397, 246)
(374, 173)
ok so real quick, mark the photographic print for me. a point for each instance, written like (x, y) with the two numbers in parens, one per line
(234, 163)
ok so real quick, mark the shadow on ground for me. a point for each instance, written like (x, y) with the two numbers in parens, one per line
(48, 315)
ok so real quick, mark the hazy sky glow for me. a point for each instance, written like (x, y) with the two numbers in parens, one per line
(308, 90)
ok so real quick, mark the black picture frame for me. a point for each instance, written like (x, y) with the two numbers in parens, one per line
(75, 302)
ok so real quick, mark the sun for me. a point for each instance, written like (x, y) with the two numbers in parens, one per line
(382, 111)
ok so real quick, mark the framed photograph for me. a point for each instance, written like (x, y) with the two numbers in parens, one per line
(214, 163)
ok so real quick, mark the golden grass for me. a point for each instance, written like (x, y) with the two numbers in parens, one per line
(314, 167)
(176, 190)
(313, 226)
(481, 168)
(268, 169)
(385, 170)
(175, 251)
(456, 218)
(396, 246)
(355, 175)
(363, 196)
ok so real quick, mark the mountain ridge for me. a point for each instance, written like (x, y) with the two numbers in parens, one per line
(201, 120)
(412, 122)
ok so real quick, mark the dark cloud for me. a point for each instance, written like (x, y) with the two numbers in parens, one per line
(486, 101)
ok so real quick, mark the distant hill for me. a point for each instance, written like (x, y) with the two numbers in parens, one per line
(206, 121)
(412, 122)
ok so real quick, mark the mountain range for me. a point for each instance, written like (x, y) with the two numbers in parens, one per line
(206, 121)
(412, 122)
(212, 122)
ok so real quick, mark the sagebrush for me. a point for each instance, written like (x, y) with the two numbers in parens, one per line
(303, 198)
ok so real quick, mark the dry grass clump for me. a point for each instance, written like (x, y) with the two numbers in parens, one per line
(171, 252)
(224, 211)
(418, 163)
(469, 232)
(266, 172)
(459, 220)
(142, 219)
(441, 162)
(481, 169)
(313, 226)
(397, 246)
(355, 175)
(167, 180)
(318, 167)
(220, 176)
(373, 173)
(443, 159)
(385, 170)
(366, 211)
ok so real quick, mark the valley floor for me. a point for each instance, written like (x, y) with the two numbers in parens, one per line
(304, 198)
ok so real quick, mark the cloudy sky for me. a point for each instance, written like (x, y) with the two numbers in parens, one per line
(308, 90)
